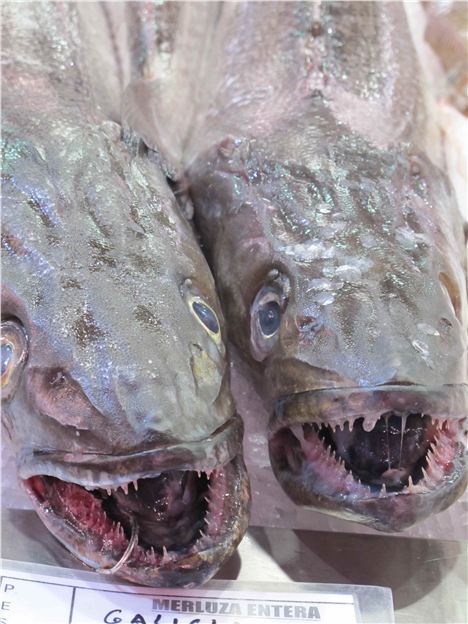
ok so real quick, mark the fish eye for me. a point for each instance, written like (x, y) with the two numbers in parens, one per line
(269, 318)
(203, 313)
(206, 315)
(13, 355)
(265, 317)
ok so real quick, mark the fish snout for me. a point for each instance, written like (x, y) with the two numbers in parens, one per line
(166, 406)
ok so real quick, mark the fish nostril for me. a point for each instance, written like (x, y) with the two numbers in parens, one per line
(445, 326)
(57, 378)
(307, 323)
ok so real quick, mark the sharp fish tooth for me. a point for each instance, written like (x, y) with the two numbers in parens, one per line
(427, 478)
(109, 491)
(166, 558)
(369, 424)
(410, 484)
(125, 488)
(349, 478)
(135, 484)
(297, 430)
(383, 491)
(153, 556)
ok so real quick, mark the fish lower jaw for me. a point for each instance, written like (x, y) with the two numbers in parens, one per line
(368, 459)
(149, 529)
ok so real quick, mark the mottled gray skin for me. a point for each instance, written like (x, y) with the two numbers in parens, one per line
(308, 158)
(121, 381)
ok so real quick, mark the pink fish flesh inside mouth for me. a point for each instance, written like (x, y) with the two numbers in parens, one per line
(177, 515)
(360, 464)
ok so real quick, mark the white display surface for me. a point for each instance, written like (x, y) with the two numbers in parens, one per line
(427, 577)
(52, 595)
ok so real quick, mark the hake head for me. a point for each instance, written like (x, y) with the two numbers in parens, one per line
(341, 275)
(115, 385)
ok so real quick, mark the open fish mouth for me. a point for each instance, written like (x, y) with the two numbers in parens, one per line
(399, 454)
(172, 529)
(387, 468)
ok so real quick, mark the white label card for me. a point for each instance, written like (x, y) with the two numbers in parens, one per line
(30, 598)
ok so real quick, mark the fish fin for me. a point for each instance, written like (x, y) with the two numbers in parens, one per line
(143, 117)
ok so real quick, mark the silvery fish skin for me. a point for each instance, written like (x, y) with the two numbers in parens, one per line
(115, 385)
(338, 253)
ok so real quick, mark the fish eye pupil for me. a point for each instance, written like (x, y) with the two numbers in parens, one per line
(206, 316)
(6, 355)
(269, 316)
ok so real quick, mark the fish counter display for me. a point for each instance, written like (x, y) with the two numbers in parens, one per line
(304, 158)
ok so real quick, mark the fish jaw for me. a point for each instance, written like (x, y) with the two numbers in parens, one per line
(172, 529)
(387, 457)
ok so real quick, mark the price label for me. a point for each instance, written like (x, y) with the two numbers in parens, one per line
(27, 597)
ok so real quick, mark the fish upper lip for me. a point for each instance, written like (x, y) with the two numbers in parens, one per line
(101, 470)
(338, 405)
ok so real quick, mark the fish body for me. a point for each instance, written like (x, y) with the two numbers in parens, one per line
(338, 253)
(115, 385)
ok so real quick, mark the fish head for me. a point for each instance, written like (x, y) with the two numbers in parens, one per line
(115, 386)
(337, 280)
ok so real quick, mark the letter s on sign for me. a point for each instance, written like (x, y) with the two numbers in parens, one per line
(115, 620)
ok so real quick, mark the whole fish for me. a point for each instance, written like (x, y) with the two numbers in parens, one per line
(115, 387)
(338, 252)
